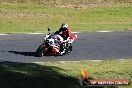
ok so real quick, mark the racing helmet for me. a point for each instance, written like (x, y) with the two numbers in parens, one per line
(64, 25)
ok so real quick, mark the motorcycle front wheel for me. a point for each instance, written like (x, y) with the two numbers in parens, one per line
(40, 52)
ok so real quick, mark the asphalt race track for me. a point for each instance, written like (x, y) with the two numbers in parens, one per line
(88, 46)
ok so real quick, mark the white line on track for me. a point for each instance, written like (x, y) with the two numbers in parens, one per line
(4, 34)
(36, 33)
(104, 31)
(81, 61)
(43, 33)
(73, 61)
(75, 32)
(95, 60)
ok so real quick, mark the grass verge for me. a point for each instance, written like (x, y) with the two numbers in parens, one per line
(31, 17)
(61, 74)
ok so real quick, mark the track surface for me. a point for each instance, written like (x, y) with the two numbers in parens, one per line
(88, 46)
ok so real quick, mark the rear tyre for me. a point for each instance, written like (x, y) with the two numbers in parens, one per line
(67, 48)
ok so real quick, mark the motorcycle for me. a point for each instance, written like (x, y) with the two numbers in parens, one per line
(50, 40)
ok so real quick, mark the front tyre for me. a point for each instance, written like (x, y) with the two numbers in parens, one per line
(40, 51)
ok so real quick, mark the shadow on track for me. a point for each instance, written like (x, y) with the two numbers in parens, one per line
(28, 53)
(31, 75)
(24, 53)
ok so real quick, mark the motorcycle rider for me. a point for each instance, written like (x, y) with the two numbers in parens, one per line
(66, 33)
(56, 43)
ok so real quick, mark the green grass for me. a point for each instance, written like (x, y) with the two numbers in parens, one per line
(61, 74)
(25, 17)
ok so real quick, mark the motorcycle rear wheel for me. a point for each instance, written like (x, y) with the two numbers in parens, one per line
(68, 49)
